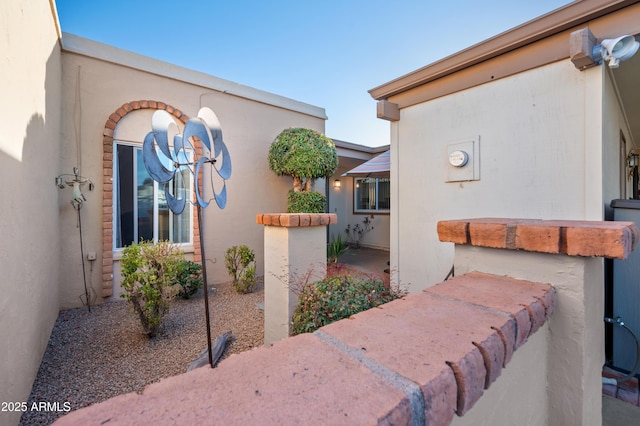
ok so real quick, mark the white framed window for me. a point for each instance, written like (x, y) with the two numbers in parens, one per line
(371, 195)
(140, 210)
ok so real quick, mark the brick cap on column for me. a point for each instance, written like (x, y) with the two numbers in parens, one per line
(571, 237)
(294, 220)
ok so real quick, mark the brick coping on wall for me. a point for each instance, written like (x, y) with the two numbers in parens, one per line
(384, 365)
(296, 220)
(574, 238)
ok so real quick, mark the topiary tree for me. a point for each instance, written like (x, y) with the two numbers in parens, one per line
(305, 155)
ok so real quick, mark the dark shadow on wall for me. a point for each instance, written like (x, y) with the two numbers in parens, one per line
(29, 247)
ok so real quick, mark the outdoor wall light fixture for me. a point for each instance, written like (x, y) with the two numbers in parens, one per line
(337, 184)
(632, 161)
(74, 181)
(615, 50)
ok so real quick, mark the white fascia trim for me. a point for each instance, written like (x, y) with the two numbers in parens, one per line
(93, 49)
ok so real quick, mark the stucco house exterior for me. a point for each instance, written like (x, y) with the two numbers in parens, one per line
(72, 103)
(345, 199)
(546, 137)
(116, 92)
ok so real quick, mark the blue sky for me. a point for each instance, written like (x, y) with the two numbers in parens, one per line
(326, 53)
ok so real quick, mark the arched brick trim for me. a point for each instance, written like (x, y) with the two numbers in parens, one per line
(107, 187)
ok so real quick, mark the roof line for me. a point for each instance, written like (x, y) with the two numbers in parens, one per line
(56, 20)
(561, 19)
(104, 52)
(361, 148)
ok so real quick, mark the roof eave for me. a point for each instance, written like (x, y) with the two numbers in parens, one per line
(360, 148)
(571, 15)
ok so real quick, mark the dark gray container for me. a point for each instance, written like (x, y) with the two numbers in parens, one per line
(626, 291)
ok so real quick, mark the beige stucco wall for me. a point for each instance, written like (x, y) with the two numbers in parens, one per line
(30, 87)
(249, 126)
(570, 377)
(614, 122)
(519, 395)
(541, 156)
(294, 256)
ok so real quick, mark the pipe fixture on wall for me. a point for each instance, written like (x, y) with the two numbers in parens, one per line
(618, 321)
(75, 181)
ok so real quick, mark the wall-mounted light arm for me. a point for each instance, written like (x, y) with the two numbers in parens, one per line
(615, 50)
(585, 52)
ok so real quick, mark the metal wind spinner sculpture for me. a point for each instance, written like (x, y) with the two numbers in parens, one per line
(166, 165)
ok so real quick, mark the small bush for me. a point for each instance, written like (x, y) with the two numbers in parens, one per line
(188, 278)
(306, 202)
(336, 298)
(336, 247)
(241, 264)
(149, 276)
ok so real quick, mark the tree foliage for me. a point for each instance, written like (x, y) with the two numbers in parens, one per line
(303, 154)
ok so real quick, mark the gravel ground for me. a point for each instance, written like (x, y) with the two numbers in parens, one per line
(93, 356)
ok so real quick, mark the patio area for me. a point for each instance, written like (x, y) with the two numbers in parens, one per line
(368, 260)
(620, 403)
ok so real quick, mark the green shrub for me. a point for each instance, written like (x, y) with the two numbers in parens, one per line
(188, 278)
(305, 155)
(336, 247)
(336, 298)
(306, 202)
(241, 264)
(149, 276)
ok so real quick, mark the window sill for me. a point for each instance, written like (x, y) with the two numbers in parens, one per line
(372, 212)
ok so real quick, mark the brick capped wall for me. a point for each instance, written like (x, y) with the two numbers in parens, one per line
(382, 366)
(575, 238)
(421, 359)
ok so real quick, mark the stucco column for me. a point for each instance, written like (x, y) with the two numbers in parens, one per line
(576, 345)
(295, 252)
(568, 255)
